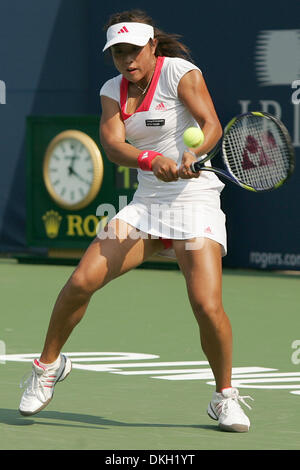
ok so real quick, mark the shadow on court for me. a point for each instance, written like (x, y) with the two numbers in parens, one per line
(13, 418)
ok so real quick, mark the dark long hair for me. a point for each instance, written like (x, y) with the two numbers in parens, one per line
(168, 44)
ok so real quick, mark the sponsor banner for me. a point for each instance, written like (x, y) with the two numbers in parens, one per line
(263, 230)
(265, 260)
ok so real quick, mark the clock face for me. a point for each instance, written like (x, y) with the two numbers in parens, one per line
(73, 170)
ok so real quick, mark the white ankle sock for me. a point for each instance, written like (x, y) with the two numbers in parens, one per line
(54, 364)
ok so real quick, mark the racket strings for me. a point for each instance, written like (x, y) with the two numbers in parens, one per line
(256, 152)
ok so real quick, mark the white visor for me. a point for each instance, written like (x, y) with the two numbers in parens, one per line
(130, 33)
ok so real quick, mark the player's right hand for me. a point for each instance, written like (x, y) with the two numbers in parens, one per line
(184, 171)
(165, 168)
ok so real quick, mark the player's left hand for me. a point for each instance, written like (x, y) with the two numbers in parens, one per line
(184, 171)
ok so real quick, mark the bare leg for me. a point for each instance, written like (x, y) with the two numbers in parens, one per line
(103, 261)
(202, 269)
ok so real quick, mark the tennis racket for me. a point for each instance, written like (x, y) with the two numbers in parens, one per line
(257, 152)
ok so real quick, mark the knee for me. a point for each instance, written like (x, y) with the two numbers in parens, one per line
(208, 310)
(81, 283)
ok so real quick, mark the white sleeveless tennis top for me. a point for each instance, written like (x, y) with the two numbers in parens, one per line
(158, 125)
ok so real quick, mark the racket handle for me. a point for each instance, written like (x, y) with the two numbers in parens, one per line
(196, 166)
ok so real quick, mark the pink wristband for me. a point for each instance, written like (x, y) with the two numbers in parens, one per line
(145, 158)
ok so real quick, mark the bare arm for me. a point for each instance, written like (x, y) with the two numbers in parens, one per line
(112, 135)
(193, 93)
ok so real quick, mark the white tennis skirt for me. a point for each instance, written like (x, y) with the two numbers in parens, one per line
(180, 219)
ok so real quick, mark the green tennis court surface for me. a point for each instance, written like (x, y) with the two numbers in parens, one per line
(140, 380)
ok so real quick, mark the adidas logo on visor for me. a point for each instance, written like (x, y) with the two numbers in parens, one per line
(123, 30)
(131, 33)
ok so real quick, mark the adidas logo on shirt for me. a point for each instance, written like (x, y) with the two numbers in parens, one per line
(161, 107)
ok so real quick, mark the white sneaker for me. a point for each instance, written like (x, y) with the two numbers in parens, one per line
(225, 408)
(40, 385)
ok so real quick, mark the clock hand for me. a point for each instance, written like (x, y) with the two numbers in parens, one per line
(73, 172)
(71, 167)
(72, 158)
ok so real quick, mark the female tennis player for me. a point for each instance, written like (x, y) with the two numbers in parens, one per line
(146, 108)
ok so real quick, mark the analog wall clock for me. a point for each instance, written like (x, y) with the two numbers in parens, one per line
(73, 169)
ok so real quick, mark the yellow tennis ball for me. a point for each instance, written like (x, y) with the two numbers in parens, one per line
(193, 137)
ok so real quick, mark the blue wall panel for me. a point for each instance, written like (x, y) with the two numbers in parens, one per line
(45, 66)
(249, 52)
